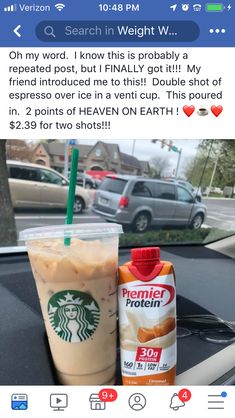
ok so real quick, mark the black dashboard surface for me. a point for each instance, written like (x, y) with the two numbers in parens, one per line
(205, 285)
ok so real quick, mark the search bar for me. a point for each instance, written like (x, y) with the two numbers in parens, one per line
(117, 31)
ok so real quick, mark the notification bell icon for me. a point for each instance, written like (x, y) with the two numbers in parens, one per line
(176, 403)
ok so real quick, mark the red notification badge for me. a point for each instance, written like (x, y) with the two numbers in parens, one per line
(184, 395)
(108, 395)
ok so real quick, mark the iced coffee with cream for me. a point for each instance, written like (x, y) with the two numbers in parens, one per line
(77, 288)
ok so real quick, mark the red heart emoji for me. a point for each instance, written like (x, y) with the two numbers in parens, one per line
(216, 110)
(188, 110)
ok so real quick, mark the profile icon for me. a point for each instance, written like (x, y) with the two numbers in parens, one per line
(137, 401)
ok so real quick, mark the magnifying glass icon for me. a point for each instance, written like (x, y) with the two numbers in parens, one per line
(49, 31)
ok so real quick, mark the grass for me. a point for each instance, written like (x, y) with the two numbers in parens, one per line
(218, 195)
(212, 194)
(185, 236)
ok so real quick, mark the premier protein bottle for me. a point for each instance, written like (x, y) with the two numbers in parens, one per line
(147, 319)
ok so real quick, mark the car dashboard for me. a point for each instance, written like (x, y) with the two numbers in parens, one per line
(205, 289)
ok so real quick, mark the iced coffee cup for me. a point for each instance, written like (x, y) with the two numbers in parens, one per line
(77, 288)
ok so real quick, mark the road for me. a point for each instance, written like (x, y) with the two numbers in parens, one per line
(42, 218)
(221, 214)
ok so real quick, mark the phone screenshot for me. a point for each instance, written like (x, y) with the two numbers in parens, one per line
(117, 236)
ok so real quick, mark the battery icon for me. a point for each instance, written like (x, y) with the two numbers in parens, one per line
(214, 7)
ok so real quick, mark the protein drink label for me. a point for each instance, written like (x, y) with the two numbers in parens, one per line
(73, 315)
(147, 326)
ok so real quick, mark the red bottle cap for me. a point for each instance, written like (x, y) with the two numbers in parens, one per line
(144, 255)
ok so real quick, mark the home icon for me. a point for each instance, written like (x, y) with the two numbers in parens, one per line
(95, 403)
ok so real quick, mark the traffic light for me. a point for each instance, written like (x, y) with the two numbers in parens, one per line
(170, 146)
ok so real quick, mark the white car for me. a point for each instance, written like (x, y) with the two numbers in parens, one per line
(196, 191)
(36, 186)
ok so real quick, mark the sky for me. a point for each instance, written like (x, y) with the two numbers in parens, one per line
(145, 150)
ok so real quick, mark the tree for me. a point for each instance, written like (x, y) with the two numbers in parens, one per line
(8, 234)
(225, 172)
(201, 167)
(198, 171)
(159, 165)
(17, 149)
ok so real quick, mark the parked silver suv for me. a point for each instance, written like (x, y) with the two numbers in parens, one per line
(140, 202)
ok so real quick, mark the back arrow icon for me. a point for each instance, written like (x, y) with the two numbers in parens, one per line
(16, 31)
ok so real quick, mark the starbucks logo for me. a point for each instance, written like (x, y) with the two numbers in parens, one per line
(73, 315)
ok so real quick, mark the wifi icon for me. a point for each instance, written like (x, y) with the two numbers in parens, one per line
(59, 6)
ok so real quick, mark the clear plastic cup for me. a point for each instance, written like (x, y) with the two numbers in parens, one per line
(77, 288)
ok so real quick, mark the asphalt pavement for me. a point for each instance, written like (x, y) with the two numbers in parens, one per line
(42, 218)
(221, 214)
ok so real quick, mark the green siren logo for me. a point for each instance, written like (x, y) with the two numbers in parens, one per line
(73, 315)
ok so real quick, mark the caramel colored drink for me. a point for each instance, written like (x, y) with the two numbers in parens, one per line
(77, 288)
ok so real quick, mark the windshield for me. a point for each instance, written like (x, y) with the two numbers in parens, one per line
(160, 194)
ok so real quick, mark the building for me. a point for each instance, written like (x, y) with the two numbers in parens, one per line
(99, 157)
(145, 168)
(41, 155)
(108, 157)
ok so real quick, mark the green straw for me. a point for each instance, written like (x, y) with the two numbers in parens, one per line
(71, 194)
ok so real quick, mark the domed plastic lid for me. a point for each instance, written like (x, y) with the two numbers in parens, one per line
(81, 231)
(146, 254)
